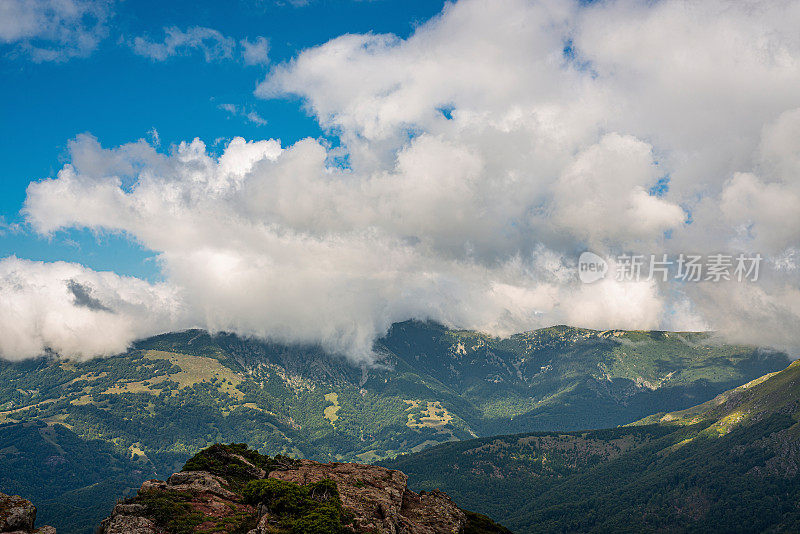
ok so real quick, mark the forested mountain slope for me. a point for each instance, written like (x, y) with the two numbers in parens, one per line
(171, 395)
(728, 465)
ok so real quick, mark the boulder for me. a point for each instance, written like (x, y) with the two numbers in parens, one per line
(200, 481)
(18, 516)
(128, 519)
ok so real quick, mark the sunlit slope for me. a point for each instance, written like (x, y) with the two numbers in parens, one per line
(727, 465)
(774, 393)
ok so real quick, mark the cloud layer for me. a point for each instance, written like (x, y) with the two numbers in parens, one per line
(479, 157)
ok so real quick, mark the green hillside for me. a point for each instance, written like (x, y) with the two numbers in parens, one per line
(728, 465)
(174, 394)
(73, 481)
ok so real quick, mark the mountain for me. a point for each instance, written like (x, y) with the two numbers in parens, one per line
(232, 489)
(731, 464)
(73, 481)
(148, 410)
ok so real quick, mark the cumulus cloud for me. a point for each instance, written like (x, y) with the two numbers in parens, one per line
(603, 195)
(53, 30)
(479, 157)
(764, 205)
(71, 310)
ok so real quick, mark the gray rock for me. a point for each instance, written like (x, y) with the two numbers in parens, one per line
(127, 524)
(200, 481)
(18, 515)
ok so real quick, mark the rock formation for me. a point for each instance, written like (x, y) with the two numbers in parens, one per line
(379, 498)
(228, 488)
(18, 515)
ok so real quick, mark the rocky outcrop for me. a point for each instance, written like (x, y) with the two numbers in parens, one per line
(379, 498)
(197, 482)
(242, 491)
(130, 519)
(18, 515)
(195, 498)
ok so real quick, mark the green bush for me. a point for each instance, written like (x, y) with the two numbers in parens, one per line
(281, 497)
(326, 518)
(221, 460)
(169, 508)
(311, 509)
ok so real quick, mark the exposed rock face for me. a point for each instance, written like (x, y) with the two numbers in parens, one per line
(430, 512)
(379, 498)
(128, 518)
(18, 515)
(362, 499)
(195, 482)
(204, 492)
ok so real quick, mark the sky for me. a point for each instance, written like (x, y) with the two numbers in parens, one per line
(313, 171)
(118, 95)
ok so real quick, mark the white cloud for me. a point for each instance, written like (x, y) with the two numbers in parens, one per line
(769, 213)
(602, 196)
(243, 112)
(481, 159)
(155, 138)
(77, 312)
(6, 227)
(53, 30)
(213, 44)
(256, 52)
(271, 242)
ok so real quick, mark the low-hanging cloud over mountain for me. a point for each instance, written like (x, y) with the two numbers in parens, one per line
(77, 312)
(483, 154)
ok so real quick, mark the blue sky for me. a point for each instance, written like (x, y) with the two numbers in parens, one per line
(119, 96)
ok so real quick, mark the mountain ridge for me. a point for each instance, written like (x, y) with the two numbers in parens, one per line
(730, 464)
(149, 409)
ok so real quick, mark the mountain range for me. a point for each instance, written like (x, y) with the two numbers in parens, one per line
(96, 429)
